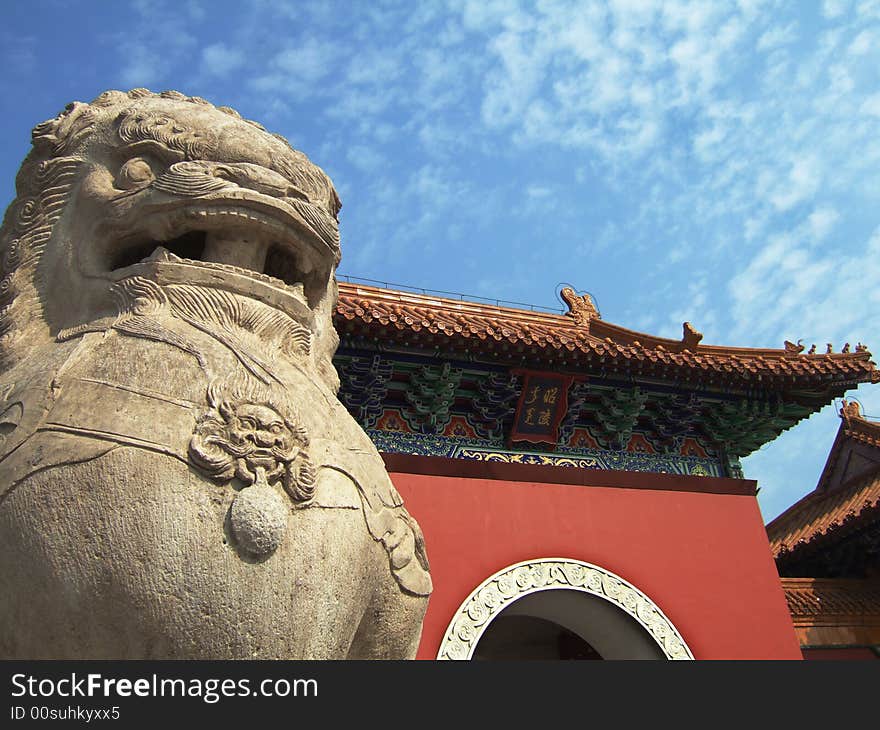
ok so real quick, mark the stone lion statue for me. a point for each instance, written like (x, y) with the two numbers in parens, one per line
(177, 476)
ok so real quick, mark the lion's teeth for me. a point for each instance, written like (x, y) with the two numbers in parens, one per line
(236, 249)
(160, 253)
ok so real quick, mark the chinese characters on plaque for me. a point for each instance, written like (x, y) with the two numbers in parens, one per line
(541, 408)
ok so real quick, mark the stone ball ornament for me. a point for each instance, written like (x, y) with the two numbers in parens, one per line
(178, 479)
(258, 517)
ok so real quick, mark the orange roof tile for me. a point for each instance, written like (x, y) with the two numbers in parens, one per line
(809, 598)
(824, 515)
(580, 339)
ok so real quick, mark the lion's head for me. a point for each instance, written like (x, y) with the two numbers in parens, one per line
(173, 189)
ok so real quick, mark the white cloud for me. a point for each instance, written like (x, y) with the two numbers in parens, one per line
(868, 9)
(365, 158)
(873, 246)
(678, 253)
(864, 43)
(539, 191)
(777, 36)
(300, 68)
(707, 141)
(219, 59)
(370, 67)
(430, 183)
(483, 14)
(821, 222)
(695, 308)
(143, 68)
(351, 106)
(834, 8)
(195, 10)
(871, 105)
(149, 57)
(311, 59)
(826, 295)
(800, 184)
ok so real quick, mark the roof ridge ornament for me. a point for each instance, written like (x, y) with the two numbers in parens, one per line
(793, 348)
(850, 409)
(690, 337)
(580, 306)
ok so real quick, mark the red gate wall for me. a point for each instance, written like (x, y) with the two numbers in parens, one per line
(695, 545)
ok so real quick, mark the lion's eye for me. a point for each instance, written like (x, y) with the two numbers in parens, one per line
(135, 173)
(275, 428)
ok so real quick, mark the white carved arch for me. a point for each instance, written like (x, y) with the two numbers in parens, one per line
(531, 576)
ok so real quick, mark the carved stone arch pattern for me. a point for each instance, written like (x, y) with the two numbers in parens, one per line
(531, 577)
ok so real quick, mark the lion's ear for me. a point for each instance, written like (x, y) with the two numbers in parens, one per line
(58, 135)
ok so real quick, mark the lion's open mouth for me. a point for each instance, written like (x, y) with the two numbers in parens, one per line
(235, 239)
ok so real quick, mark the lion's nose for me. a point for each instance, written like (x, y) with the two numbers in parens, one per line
(263, 439)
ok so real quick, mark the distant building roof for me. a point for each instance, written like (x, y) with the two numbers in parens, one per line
(845, 503)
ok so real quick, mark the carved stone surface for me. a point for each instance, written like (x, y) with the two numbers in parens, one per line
(512, 583)
(177, 476)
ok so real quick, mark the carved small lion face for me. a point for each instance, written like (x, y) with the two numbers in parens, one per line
(261, 429)
(254, 442)
(237, 437)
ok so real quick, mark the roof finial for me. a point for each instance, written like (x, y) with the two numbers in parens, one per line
(850, 409)
(793, 348)
(690, 337)
(580, 307)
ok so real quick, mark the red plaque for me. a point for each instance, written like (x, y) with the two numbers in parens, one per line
(542, 406)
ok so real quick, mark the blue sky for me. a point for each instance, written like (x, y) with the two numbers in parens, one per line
(715, 162)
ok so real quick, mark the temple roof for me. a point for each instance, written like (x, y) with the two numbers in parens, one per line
(580, 340)
(846, 500)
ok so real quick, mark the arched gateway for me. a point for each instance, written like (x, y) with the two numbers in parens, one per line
(560, 608)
